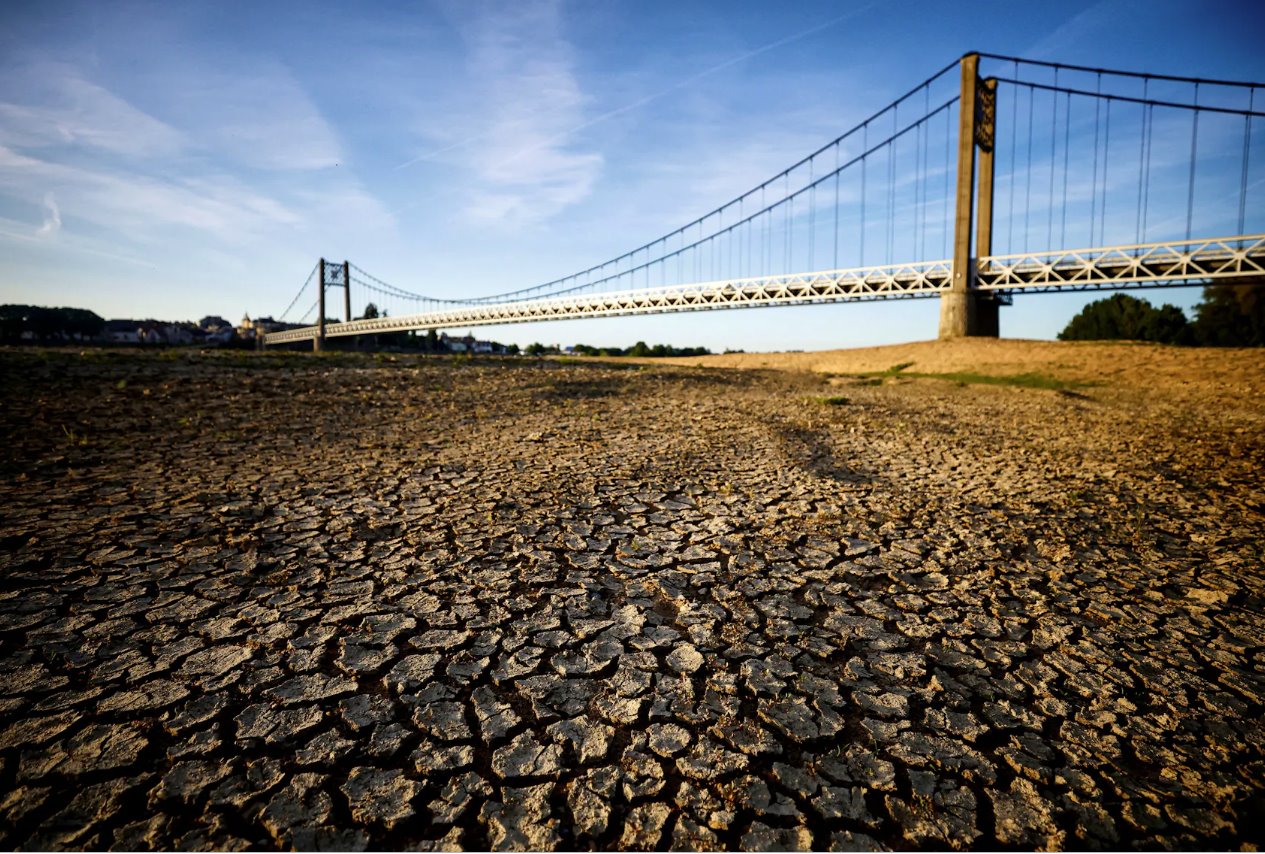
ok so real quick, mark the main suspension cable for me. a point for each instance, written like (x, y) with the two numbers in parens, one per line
(302, 288)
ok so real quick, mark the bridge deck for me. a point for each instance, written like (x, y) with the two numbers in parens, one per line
(1205, 261)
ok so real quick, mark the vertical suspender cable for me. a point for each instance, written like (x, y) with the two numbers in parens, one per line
(1010, 178)
(944, 215)
(917, 189)
(722, 248)
(1093, 195)
(1027, 191)
(1049, 198)
(1247, 147)
(812, 213)
(1194, 155)
(1137, 235)
(1067, 149)
(865, 150)
(789, 201)
(731, 247)
(836, 262)
(926, 172)
(1146, 182)
(765, 250)
(891, 187)
(697, 252)
(1106, 157)
(926, 152)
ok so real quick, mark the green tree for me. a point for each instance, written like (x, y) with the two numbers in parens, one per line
(81, 324)
(1129, 318)
(55, 324)
(1231, 316)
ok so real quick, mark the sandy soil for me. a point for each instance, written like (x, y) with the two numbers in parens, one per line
(1236, 376)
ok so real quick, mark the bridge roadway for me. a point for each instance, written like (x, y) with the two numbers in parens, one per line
(1238, 259)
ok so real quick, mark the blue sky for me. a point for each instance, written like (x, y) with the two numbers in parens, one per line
(175, 160)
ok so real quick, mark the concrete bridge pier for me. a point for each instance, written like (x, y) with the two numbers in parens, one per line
(970, 314)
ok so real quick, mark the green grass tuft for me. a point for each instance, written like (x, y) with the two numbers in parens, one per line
(1028, 380)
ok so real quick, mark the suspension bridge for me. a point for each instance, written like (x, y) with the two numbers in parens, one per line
(1083, 178)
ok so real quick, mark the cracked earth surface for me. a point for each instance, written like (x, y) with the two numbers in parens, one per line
(278, 601)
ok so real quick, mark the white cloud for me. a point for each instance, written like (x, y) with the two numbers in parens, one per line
(94, 158)
(50, 104)
(258, 116)
(52, 218)
(510, 134)
(134, 204)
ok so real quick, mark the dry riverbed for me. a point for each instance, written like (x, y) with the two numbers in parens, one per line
(260, 601)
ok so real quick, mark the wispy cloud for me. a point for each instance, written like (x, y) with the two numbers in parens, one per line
(1081, 28)
(135, 205)
(52, 218)
(22, 234)
(226, 164)
(510, 134)
(50, 104)
(256, 115)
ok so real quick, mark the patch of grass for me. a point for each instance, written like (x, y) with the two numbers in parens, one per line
(612, 363)
(74, 437)
(878, 376)
(1028, 380)
(831, 400)
(963, 378)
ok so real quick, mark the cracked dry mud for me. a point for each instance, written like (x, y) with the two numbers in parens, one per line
(279, 601)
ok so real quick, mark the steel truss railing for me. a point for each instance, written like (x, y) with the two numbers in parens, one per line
(1183, 262)
(1187, 262)
(863, 283)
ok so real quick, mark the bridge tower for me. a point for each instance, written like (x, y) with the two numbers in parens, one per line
(339, 275)
(963, 309)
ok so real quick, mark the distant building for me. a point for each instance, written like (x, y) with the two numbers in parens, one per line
(123, 331)
(469, 344)
(456, 345)
(215, 331)
(158, 332)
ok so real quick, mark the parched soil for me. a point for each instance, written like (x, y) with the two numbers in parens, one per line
(282, 601)
(1194, 376)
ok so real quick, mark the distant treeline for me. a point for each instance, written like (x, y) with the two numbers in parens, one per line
(1227, 316)
(49, 324)
(640, 349)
